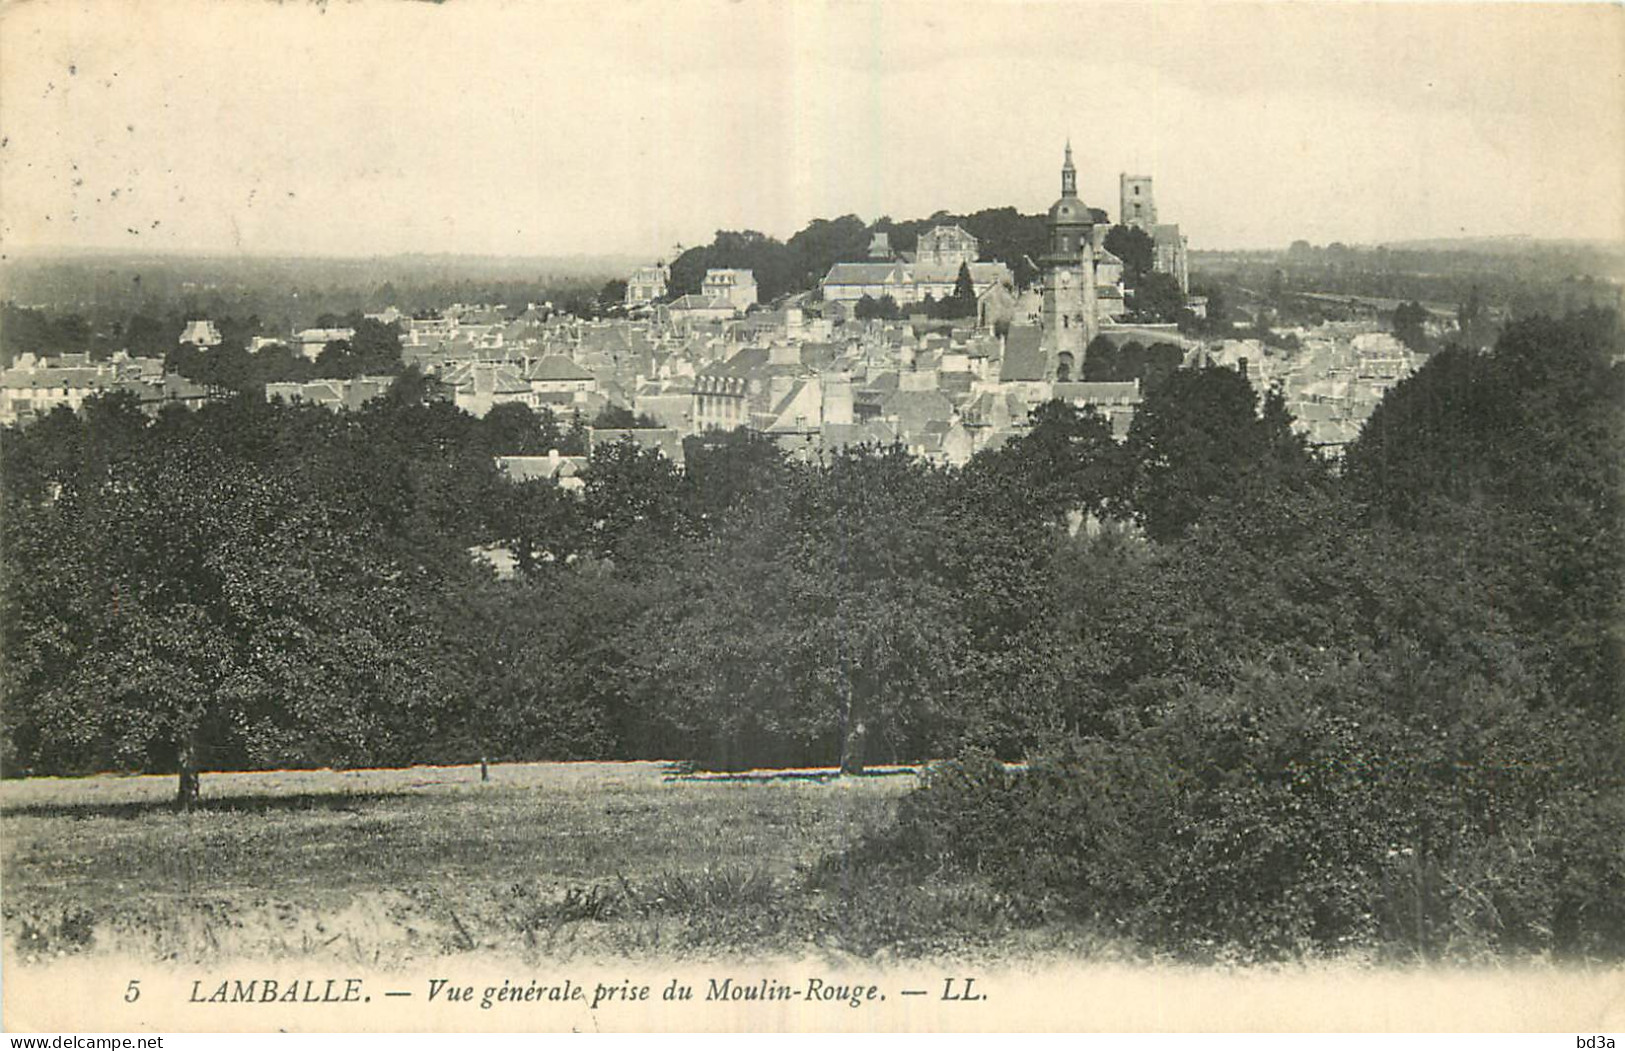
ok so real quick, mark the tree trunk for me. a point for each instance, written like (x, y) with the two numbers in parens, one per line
(187, 793)
(852, 747)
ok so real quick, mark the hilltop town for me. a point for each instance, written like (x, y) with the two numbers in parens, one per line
(451, 525)
(938, 347)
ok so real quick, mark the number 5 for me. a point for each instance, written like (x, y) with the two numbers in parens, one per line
(133, 992)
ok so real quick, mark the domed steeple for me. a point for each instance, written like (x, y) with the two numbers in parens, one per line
(1069, 218)
(1070, 312)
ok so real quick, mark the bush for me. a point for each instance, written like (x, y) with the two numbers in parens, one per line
(1282, 817)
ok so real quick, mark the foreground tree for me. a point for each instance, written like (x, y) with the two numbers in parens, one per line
(208, 613)
(813, 628)
(1202, 437)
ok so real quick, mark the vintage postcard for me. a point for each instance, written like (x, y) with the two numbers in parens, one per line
(811, 516)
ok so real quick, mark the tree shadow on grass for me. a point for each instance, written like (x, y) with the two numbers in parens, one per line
(821, 775)
(341, 802)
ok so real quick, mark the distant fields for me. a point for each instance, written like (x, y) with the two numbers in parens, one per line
(389, 866)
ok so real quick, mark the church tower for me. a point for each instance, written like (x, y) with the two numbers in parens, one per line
(1137, 207)
(1069, 317)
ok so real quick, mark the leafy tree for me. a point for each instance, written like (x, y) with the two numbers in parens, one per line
(377, 347)
(618, 417)
(819, 627)
(723, 470)
(1158, 297)
(1135, 248)
(1199, 437)
(634, 504)
(884, 308)
(338, 361)
(1512, 454)
(1066, 464)
(514, 429)
(216, 619)
(613, 294)
(1409, 319)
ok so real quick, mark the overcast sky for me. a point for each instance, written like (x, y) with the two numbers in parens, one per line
(553, 128)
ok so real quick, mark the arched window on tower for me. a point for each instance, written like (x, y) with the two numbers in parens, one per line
(1063, 368)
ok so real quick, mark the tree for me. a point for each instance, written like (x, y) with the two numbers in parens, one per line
(1066, 464)
(613, 294)
(1409, 319)
(338, 361)
(1158, 297)
(377, 348)
(963, 303)
(1199, 438)
(634, 504)
(514, 429)
(1472, 321)
(818, 627)
(1135, 248)
(219, 617)
(619, 417)
(723, 470)
(869, 308)
(1513, 455)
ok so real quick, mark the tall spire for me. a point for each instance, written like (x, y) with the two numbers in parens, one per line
(1069, 174)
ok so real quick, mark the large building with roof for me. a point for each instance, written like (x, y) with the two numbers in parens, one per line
(907, 282)
(737, 287)
(647, 284)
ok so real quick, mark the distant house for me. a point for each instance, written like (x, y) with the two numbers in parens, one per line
(647, 284)
(1023, 360)
(558, 374)
(699, 308)
(349, 394)
(201, 334)
(563, 471)
(738, 287)
(671, 403)
(667, 441)
(1170, 253)
(479, 386)
(946, 246)
(29, 392)
(31, 389)
(1116, 402)
(908, 282)
(312, 341)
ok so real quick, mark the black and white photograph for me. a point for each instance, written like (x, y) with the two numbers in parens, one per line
(812, 516)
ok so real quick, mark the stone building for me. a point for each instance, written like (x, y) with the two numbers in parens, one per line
(946, 246)
(738, 287)
(647, 284)
(1069, 315)
(1139, 209)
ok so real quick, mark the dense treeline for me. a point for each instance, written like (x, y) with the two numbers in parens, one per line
(96, 295)
(800, 263)
(1524, 280)
(1381, 712)
(1264, 703)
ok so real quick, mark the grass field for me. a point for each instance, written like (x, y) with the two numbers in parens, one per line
(611, 866)
(388, 866)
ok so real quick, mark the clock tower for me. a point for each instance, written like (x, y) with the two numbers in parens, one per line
(1069, 317)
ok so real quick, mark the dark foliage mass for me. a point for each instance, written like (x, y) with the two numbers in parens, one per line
(798, 264)
(1264, 705)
